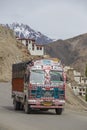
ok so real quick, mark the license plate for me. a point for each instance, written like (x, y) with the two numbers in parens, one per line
(46, 103)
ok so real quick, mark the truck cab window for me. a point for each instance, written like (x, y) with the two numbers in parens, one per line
(56, 76)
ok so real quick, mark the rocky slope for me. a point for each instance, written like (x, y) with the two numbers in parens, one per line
(10, 52)
(79, 45)
(74, 102)
(71, 51)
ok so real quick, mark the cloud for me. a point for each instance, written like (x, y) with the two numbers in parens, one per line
(55, 18)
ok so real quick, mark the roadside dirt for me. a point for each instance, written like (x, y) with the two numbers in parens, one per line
(74, 102)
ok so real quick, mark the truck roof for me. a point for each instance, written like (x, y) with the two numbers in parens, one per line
(18, 69)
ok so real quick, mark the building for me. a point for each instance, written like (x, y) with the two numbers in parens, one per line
(78, 83)
(33, 48)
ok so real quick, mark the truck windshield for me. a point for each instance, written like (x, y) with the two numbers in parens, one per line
(56, 76)
(37, 76)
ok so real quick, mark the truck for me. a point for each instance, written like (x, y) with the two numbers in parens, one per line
(38, 84)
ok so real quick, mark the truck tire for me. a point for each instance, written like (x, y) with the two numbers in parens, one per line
(27, 108)
(58, 111)
(16, 105)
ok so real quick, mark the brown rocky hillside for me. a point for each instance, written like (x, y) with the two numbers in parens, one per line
(11, 52)
(79, 45)
(72, 51)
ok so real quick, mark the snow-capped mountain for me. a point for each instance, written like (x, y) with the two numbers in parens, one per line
(24, 31)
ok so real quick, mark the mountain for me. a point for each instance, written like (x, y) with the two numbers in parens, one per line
(11, 51)
(59, 49)
(24, 31)
(72, 51)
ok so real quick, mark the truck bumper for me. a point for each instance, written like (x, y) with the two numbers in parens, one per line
(46, 104)
(50, 107)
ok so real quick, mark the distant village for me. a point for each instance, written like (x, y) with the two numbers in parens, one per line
(78, 82)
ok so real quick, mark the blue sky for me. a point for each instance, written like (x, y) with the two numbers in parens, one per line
(58, 19)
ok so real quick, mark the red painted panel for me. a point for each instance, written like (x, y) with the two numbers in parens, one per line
(18, 84)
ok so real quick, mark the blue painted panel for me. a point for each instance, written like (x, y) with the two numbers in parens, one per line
(47, 62)
(38, 93)
(56, 95)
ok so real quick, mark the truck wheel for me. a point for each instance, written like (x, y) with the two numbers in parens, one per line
(27, 108)
(58, 111)
(16, 105)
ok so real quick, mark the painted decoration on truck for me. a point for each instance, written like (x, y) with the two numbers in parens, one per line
(46, 62)
(47, 77)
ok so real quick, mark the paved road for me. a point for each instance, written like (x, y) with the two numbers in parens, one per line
(18, 120)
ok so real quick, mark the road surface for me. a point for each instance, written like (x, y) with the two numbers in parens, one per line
(18, 120)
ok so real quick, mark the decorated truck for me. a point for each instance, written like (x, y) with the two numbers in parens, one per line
(38, 85)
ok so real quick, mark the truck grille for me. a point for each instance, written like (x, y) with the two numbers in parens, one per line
(47, 93)
(43, 93)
